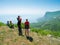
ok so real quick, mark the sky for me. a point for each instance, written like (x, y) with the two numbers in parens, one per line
(28, 8)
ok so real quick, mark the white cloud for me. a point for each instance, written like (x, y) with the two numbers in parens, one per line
(22, 11)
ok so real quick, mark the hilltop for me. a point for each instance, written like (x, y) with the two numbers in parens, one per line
(10, 37)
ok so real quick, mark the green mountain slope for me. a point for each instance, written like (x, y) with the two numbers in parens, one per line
(51, 21)
(49, 16)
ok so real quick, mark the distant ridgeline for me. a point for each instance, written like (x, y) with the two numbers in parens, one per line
(51, 21)
(50, 16)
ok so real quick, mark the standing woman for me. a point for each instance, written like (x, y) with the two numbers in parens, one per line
(27, 27)
(19, 25)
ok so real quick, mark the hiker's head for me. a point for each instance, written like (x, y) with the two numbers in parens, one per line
(26, 19)
(18, 16)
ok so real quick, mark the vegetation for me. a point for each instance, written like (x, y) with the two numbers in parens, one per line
(10, 36)
(22, 25)
(49, 24)
(2, 24)
(51, 21)
(46, 32)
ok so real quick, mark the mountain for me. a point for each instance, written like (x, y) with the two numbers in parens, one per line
(50, 16)
(51, 21)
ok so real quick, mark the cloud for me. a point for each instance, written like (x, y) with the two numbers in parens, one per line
(22, 11)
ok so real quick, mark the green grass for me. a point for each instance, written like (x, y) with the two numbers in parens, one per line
(22, 25)
(2, 24)
(46, 32)
(56, 33)
(2, 36)
(39, 31)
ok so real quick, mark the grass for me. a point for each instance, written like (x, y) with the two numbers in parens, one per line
(2, 24)
(56, 33)
(47, 32)
(10, 36)
(39, 31)
(22, 25)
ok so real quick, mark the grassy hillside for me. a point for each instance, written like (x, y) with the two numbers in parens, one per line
(10, 36)
(2, 24)
(46, 32)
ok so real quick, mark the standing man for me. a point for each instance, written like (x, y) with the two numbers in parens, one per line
(19, 25)
(27, 28)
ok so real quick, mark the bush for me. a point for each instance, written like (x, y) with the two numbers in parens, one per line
(46, 32)
(2, 24)
(55, 33)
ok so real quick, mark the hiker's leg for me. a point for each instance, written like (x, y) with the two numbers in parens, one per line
(18, 31)
(28, 31)
(25, 31)
(21, 31)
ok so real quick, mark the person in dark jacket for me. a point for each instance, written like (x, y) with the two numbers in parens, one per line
(19, 25)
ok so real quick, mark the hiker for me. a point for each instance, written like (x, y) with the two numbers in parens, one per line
(11, 24)
(19, 25)
(7, 23)
(27, 27)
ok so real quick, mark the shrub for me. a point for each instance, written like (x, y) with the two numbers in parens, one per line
(2, 24)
